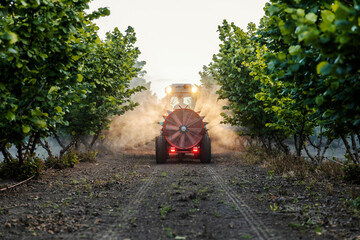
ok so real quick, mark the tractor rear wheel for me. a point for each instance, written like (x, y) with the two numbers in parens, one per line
(205, 149)
(161, 149)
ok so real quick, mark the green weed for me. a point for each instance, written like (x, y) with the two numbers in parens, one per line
(164, 210)
(246, 236)
(89, 156)
(356, 203)
(196, 202)
(169, 232)
(69, 160)
(192, 210)
(274, 207)
(271, 174)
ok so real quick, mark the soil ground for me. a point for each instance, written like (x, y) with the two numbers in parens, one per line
(129, 196)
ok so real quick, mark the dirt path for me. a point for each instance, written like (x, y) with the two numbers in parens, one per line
(188, 201)
(128, 196)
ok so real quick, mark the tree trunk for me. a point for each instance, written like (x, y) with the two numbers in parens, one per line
(7, 155)
(328, 142)
(309, 155)
(58, 140)
(354, 147)
(95, 137)
(20, 155)
(284, 148)
(34, 143)
(298, 145)
(348, 148)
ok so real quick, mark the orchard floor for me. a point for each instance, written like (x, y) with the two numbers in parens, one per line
(128, 196)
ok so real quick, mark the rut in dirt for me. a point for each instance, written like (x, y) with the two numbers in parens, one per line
(187, 200)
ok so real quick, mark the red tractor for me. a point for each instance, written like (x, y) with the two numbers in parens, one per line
(183, 132)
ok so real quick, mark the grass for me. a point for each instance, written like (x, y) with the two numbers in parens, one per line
(292, 166)
(313, 185)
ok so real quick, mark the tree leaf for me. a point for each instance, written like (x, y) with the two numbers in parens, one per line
(294, 50)
(80, 77)
(319, 100)
(58, 109)
(10, 116)
(311, 17)
(320, 66)
(25, 128)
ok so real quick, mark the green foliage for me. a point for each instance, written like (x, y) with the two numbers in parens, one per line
(240, 70)
(105, 79)
(164, 210)
(313, 58)
(207, 80)
(169, 232)
(356, 203)
(13, 170)
(298, 71)
(274, 207)
(89, 156)
(352, 172)
(69, 160)
(37, 64)
(57, 77)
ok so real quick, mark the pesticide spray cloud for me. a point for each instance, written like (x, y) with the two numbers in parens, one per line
(137, 128)
(223, 136)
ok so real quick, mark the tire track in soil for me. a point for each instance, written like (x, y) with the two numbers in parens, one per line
(120, 229)
(256, 224)
(131, 208)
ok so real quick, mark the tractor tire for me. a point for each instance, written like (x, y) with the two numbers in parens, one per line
(205, 149)
(161, 149)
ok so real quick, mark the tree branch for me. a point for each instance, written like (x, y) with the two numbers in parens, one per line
(309, 155)
(58, 140)
(68, 147)
(348, 148)
(46, 146)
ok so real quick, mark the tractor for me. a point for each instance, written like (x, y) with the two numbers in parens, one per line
(183, 133)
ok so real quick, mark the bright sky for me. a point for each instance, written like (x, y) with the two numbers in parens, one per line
(176, 38)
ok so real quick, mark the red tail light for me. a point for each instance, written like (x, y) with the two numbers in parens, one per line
(172, 149)
(195, 150)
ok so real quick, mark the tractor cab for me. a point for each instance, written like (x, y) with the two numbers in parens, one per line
(181, 95)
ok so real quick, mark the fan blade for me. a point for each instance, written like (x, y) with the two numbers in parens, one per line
(182, 139)
(191, 138)
(174, 136)
(172, 127)
(188, 119)
(193, 122)
(176, 119)
(195, 130)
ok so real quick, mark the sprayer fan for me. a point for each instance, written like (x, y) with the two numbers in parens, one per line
(184, 128)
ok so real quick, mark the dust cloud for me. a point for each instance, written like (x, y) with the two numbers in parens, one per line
(223, 136)
(138, 128)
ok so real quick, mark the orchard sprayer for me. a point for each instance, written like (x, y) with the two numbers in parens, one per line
(184, 133)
